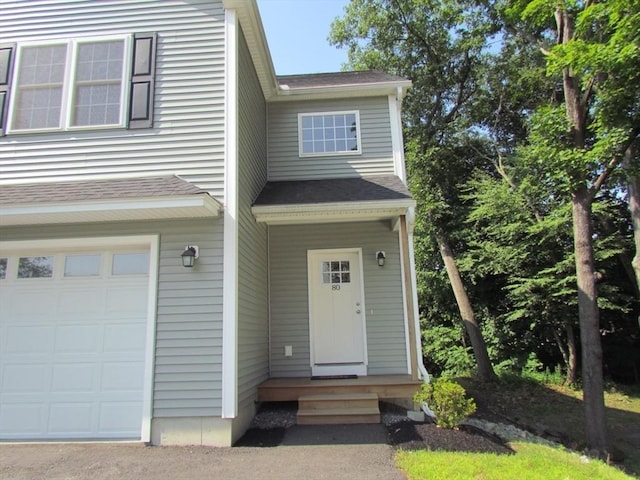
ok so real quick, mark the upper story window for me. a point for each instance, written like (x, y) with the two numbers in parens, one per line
(78, 83)
(331, 133)
(83, 83)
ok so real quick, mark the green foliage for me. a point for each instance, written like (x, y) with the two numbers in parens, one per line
(492, 163)
(447, 400)
(445, 350)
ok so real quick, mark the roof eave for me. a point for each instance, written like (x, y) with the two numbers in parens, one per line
(349, 90)
(111, 210)
(332, 212)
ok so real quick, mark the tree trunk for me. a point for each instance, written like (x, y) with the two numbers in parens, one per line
(485, 369)
(592, 376)
(568, 353)
(634, 208)
(572, 367)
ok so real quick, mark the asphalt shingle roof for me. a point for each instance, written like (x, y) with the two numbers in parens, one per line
(144, 187)
(338, 190)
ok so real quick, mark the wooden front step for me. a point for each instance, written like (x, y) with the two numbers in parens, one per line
(338, 408)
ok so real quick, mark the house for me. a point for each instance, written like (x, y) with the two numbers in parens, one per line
(136, 135)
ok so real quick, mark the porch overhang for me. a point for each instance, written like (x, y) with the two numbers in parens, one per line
(331, 212)
(104, 201)
(333, 200)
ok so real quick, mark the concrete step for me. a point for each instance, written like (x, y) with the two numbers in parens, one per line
(338, 408)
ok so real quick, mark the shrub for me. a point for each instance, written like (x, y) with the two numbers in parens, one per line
(448, 401)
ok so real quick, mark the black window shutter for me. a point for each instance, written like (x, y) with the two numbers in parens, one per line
(143, 71)
(7, 54)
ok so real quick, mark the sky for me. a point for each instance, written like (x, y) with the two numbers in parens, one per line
(297, 32)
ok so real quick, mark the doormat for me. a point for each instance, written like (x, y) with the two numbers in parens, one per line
(334, 377)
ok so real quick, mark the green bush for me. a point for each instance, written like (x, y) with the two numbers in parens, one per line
(448, 401)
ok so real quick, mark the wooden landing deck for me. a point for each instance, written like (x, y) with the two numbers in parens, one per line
(290, 389)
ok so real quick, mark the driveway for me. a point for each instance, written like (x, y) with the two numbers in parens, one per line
(321, 452)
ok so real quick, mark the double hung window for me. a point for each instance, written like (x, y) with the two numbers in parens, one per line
(82, 83)
(72, 84)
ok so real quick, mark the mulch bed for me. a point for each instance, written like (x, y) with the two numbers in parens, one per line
(421, 436)
(403, 435)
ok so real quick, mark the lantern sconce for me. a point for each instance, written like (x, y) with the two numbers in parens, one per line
(381, 256)
(191, 252)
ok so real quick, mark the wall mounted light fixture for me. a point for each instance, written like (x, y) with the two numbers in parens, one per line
(381, 256)
(191, 252)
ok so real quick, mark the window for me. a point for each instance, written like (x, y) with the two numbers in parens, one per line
(329, 133)
(82, 265)
(35, 267)
(3, 268)
(92, 82)
(336, 272)
(78, 83)
(130, 264)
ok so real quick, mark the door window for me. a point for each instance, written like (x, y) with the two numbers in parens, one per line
(336, 272)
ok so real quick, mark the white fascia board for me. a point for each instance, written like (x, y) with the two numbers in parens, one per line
(191, 206)
(330, 212)
(341, 91)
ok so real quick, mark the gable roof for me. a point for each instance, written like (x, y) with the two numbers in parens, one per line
(145, 198)
(312, 86)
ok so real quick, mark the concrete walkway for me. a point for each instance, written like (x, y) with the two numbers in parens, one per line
(305, 453)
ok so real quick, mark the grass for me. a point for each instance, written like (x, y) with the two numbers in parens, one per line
(544, 408)
(530, 462)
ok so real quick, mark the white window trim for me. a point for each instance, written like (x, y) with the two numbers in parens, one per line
(302, 154)
(67, 94)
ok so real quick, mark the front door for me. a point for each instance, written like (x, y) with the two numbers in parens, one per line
(337, 314)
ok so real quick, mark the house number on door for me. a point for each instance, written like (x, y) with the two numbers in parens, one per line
(335, 287)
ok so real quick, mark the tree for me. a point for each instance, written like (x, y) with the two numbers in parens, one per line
(441, 47)
(596, 54)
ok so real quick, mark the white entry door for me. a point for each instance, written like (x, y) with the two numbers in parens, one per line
(337, 314)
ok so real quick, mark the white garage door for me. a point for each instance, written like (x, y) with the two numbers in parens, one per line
(72, 343)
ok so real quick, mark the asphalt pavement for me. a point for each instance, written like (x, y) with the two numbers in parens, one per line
(304, 452)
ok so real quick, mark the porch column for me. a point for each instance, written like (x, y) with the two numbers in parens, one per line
(411, 313)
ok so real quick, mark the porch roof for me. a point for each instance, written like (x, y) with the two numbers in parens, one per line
(126, 199)
(332, 200)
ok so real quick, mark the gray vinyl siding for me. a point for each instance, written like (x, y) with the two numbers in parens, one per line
(253, 300)
(288, 247)
(375, 132)
(188, 357)
(187, 137)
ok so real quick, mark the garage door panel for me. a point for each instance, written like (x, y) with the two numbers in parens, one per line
(75, 378)
(22, 419)
(78, 339)
(127, 301)
(29, 304)
(72, 355)
(71, 419)
(81, 302)
(124, 337)
(120, 418)
(29, 340)
(122, 377)
(25, 378)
